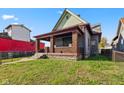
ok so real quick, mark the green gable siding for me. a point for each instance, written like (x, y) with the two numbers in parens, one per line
(71, 21)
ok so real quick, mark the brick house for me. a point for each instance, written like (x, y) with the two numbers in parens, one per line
(71, 37)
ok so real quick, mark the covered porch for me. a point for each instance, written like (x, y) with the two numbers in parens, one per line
(62, 43)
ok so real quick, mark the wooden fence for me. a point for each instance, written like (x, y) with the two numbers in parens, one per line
(117, 56)
(106, 52)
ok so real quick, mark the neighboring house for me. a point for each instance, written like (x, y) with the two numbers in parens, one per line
(15, 42)
(107, 46)
(18, 32)
(118, 41)
(72, 37)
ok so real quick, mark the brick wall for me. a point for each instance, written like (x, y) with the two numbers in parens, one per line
(63, 55)
(72, 49)
(64, 50)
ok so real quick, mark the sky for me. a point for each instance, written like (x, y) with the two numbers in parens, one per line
(42, 20)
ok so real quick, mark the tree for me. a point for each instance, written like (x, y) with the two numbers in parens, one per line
(103, 42)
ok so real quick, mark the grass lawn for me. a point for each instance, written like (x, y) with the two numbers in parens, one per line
(9, 60)
(56, 71)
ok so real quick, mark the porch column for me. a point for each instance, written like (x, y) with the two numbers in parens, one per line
(37, 45)
(75, 42)
(52, 44)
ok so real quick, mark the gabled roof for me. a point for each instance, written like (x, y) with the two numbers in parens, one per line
(80, 23)
(76, 16)
(115, 39)
(71, 13)
(121, 22)
(96, 28)
(17, 25)
(95, 25)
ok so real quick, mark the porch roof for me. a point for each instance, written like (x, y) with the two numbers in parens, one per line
(63, 31)
(114, 40)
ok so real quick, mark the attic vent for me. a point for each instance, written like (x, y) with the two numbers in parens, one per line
(67, 17)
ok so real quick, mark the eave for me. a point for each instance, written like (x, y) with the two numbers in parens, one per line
(60, 32)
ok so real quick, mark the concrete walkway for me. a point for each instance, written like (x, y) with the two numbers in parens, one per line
(34, 57)
(21, 60)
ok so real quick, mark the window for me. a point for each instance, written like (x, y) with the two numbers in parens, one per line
(59, 42)
(63, 42)
(122, 41)
(67, 41)
(93, 42)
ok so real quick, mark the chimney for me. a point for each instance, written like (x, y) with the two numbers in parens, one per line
(78, 15)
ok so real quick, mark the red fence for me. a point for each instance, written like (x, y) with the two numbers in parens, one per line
(8, 45)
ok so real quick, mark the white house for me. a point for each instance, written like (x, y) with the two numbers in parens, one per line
(18, 32)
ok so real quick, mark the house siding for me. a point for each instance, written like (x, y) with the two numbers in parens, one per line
(81, 41)
(120, 44)
(71, 21)
(81, 46)
(19, 33)
(87, 43)
(94, 47)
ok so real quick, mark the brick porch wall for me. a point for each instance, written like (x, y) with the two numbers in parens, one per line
(72, 49)
(64, 50)
(63, 55)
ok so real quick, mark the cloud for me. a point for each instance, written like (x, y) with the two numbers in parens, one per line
(8, 17)
(15, 23)
(60, 12)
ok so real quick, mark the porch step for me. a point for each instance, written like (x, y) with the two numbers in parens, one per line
(38, 55)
